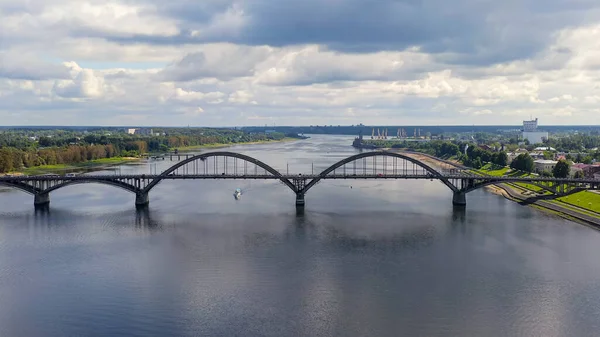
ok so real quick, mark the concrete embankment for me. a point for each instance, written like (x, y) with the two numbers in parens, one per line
(570, 212)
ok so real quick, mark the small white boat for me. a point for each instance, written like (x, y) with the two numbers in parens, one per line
(238, 193)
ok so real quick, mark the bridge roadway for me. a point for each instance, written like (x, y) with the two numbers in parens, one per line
(495, 179)
(215, 165)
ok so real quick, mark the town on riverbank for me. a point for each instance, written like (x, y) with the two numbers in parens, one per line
(523, 152)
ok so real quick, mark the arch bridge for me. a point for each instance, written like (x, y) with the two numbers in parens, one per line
(230, 165)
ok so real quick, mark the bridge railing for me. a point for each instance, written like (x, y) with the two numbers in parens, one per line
(379, 165)
(220, 166)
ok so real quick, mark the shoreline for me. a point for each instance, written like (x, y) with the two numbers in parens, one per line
(114, 161)
(548, 207)
(568, 212)
(209, 146)
(97, 163)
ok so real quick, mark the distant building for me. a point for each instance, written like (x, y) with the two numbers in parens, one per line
(577, 168)
(142, 131)
(535, 137)
(530, 126)
(542, 165)
(537, 154)
(589, 171)
(532, 134)
(511, 156)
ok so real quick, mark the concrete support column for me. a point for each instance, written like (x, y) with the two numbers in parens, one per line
(299, 200)
(141, 199)
(459, 199)
(42, 199)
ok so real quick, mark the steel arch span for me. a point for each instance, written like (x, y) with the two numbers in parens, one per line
(21, 186)
(434, 173)
(115, 183)
(203, 156)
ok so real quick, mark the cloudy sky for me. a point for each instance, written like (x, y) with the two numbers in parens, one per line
(299, 62)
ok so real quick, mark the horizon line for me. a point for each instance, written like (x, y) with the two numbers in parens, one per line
(293, 126)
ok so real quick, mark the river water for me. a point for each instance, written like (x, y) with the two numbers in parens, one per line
(383, 258)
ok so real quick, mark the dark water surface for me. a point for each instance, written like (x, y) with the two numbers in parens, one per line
(385, 258)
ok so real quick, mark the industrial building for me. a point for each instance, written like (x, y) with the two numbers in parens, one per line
(532, 134)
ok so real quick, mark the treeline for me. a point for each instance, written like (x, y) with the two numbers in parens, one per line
(474, 157)
(162, 144)
(67, 148)
(13, 159)
(575, 142)
(524, 162)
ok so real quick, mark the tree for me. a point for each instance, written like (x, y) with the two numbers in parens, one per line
(546, 173)
(501, 158)
(45, 141)
(523, 162)
(561, 169)
(579, 175)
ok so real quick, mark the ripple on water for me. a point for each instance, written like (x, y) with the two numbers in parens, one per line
(385, 258)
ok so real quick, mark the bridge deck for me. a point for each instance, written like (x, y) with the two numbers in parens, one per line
(290, 177)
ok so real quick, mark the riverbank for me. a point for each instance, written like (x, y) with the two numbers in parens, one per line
(572, 213)
(220, 145)
(582, 205)
(97, 163)
(106, 162)
(575, 207)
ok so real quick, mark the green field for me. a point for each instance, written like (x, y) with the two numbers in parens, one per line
(585, 199)
(534, 188)
(498, 171)
(37, 170)
(585, 202)
(493, 170)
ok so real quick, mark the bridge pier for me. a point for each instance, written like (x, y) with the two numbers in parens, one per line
(41, 200)
(141, 200)
(459, 199)
(299, 200)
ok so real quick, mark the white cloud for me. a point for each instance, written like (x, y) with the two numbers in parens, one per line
(85, 84)
(112, 62)
(241, 97)
(221, 61)
(312, 64)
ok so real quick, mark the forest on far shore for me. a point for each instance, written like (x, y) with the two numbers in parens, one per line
(25, 148)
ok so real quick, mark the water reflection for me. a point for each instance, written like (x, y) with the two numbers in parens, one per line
(372, 260)
(42, 210)
(459, 214)
(144, 220)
